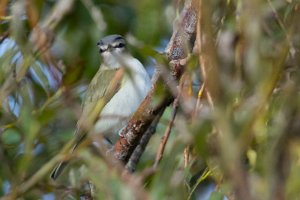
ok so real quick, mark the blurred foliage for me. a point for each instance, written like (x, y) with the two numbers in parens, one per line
(252, 135)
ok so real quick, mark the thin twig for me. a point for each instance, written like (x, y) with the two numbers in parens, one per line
(198, 103)
(186, 153)
(186, 156)
(165, 138)
(207, 172)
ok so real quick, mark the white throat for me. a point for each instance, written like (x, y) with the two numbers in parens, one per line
(113, 60)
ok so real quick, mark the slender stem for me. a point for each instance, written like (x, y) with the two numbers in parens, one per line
(165, 138)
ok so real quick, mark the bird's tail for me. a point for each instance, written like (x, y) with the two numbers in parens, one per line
(58, 169)
(62, 165)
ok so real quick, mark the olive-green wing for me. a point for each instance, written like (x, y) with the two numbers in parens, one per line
(96, 92)
(99, 91)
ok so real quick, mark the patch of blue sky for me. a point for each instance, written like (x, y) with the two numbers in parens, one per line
(53, 84)
(10, 45)
(49, 196)
(37, 66)
(15, 104)
(6, 186)
(207, 191)
(5, 45)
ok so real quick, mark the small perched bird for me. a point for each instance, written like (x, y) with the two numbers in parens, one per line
(119, 104)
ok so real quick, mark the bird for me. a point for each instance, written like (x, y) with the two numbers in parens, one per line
(119, 104)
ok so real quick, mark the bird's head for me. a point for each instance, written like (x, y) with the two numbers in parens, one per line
(111, 49)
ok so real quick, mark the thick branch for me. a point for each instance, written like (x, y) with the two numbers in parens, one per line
(139, 150)
(178, 48)
(140, 122)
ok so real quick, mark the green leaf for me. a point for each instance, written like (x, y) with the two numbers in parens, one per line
(10, 136)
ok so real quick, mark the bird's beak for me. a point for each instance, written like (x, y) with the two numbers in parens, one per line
(109, 48)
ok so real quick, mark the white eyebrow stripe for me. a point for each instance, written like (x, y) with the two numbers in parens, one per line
(115, 44)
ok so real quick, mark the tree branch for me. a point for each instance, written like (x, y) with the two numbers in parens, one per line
(139, 150)
(178, 48)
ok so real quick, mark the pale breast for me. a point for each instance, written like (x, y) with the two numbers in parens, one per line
(125, 102)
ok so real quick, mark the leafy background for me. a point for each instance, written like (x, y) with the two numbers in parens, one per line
(248, 144)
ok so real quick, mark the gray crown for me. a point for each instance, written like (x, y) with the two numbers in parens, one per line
(111, 41)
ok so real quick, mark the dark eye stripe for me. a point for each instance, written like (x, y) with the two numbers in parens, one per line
(120, 45)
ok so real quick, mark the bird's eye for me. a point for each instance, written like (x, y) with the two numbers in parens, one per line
(120, 45)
